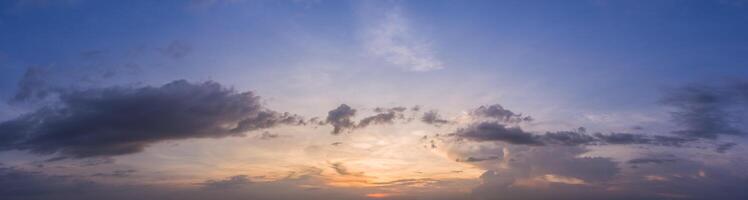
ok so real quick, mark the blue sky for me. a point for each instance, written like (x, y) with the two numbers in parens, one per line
(648, 68)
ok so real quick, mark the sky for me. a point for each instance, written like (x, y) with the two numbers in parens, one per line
(312, 99)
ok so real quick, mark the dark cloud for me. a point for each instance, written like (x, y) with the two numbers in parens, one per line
(631, 138)
(432, 117)
(176, 49)
(526, 172)
(393, 109)
(228, 183)
(497, 112)
(477, 159)
(492, 131)
(569, 138)
(116, 173)
(21, 184)
(558, 172)
(709, 111)
(383, 116)
(722, 148)
(340, 118)
(123, 120)
(651, 160)
(17, 184)
(33, 85)
(342, 170)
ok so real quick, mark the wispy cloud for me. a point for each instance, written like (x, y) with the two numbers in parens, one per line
(390, 37)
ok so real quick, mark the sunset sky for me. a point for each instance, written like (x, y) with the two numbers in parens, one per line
(315, 99)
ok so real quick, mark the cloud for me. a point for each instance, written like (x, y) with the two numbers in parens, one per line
(18, 184)
(116, 173)
(559, 172)
(176, 49)
(391, 37)
(494, 131)
(477, 159)
(33, 85)
(569, 138)
(123, 120)
(631, 138)
(495, 123)
(342, 170)
(432, 117)
(268, 136)
(340, 118)
(228, 183)
(722, 148)
(497, 112)
(491, 131)
(384, 116)
(705, 111)
(651, 160)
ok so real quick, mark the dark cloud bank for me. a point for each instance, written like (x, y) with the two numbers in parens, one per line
(123, 120)
(700, 112)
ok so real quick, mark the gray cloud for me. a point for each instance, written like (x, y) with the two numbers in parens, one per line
(340, 118)
(228, 183)
(176, 49)
(342, 170)
(124, 120)
(381, 118)
(268, 136)
(632, 138)
(18, 184)
(477, 159)
(116, 173)
(492, 131)
(432, 117)
(497, 112)
(384, 116)
(709, 111)
(526, 177)
(33, 85)
(722, 148)
(651, 160)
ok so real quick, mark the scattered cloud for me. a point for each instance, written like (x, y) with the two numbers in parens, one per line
(340, 118)
(497, 112)
(390, 37)
(433, 117)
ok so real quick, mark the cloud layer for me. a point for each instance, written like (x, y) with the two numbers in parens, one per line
(123, 120)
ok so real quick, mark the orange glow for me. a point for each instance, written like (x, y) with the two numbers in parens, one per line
(377, 195)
